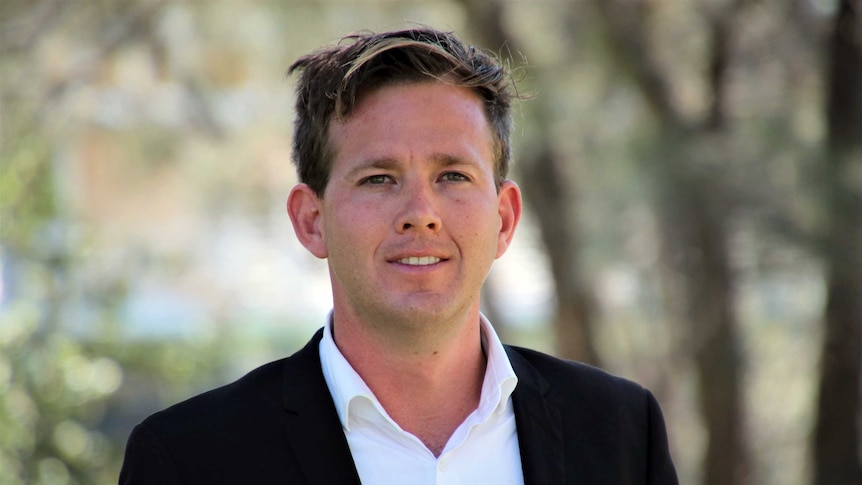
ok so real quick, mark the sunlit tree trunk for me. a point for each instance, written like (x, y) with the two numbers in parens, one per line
(837, 429)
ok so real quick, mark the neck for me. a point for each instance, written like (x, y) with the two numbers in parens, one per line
(428, 386)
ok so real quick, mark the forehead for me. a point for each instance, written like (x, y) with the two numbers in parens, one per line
(414, 117)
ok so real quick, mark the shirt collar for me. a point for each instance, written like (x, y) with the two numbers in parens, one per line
(500, 379)
(348, 388)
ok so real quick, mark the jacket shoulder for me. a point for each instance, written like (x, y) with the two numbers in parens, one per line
(566, 379)
(611, 428)
(250, 400)
(243, 432)
(258, 391)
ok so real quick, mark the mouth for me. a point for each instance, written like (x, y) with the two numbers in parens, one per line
(419, 260)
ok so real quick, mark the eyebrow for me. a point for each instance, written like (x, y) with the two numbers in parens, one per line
(374, 163)
(443, 159)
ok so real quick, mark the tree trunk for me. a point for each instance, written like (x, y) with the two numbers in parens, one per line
(714, 336)
(837, 429)
(553, 205)
(695, 208)
(547, 192)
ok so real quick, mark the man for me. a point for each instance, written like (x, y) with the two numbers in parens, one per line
(402, 148)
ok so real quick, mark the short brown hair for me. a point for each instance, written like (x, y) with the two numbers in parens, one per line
(333, 79)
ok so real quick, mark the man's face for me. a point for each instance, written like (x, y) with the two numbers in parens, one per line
(411, 219)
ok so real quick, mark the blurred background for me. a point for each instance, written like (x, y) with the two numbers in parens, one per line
(692, 172)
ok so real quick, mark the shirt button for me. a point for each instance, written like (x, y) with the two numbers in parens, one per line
(441, 465)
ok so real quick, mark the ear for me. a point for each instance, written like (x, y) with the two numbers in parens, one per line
(509, 206)
(305, 210)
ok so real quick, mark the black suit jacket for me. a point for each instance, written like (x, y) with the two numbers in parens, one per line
(278, 424)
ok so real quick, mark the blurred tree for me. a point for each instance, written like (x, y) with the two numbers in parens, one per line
(59, 386)
(695, 205)
(53, 386)
(838, 424)
(548, 192)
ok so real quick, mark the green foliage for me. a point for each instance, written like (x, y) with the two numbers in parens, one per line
(57, 391)
(26, 193)
(60, 390)
(53, 391)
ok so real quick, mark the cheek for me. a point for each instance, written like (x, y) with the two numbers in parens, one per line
(478, 225)
(353, 226)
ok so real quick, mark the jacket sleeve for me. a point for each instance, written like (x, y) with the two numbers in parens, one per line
(661, 468)
(147, 461)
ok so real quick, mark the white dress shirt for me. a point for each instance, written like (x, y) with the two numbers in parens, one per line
(483, 449)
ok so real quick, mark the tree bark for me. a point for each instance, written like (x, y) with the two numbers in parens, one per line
(837, 429)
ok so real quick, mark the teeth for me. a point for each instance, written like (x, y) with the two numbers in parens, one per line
(419, 261)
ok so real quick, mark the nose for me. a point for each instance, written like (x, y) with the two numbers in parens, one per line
(419, 210)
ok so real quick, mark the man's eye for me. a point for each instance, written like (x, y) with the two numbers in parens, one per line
(454, 177)
(376, 180)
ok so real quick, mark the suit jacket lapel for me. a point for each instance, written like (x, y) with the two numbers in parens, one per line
(538, 421)
(315, 435)
(314, 431)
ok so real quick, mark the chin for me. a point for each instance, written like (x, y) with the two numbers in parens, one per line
(429, 315)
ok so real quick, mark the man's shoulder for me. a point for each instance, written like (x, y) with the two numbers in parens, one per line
(566, 378)
(256, 391)
(252, 398)
(612, 427)
(214, 437)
